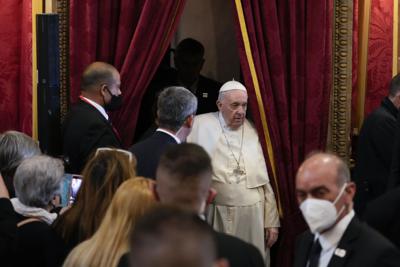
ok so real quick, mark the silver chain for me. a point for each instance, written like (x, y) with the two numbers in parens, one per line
(229, 145)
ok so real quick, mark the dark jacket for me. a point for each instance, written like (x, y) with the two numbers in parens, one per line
(149, 151)
(383, 214)
(238, 252)
(363, 246)
(37, 245)
(8, 230)
(85, 129)
(206, 93)
(374, 154)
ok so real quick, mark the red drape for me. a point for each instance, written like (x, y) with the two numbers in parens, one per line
(131, 35)
(291, 47)
(380, 53)
(16, 65)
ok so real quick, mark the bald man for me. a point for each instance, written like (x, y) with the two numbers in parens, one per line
(336, 237)
(87, 125)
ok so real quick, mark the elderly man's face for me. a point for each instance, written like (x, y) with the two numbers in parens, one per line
(233, 106)
(317, 178)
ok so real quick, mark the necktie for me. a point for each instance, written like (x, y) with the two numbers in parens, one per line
(315, 253)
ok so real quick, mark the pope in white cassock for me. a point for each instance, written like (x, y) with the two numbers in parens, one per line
(245, 204)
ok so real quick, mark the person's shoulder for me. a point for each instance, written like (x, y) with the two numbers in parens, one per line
(368, 238)
(237, 251)
(390, 199)
(372, 243)
(206, 117)
(155, 140)
(379, 115)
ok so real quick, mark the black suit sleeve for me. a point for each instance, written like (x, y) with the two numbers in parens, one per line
(8, 228)
(393, 179)
(384, 133)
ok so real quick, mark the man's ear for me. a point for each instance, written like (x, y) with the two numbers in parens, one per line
(219, 105)
(103, 89)
(212, 193)
(351, 190)
(189, 121)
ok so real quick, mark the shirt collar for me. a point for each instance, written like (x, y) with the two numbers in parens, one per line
(97, 106)
(170, 134)
(330, 239)
(223, 123)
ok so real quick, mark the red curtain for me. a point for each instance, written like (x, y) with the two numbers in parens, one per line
(380, 53)
(131, 35)
(16, 65)
(291, 47)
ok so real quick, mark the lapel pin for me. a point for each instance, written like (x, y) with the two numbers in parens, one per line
(340, 252)
(205, 95)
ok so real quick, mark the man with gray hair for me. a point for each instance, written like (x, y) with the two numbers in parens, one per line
(14, 148)
(336, 237)
(176, 108)
(37, 181)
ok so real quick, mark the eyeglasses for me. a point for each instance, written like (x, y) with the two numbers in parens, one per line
(125, 152)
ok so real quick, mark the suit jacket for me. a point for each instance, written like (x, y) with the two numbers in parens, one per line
(374, 154)
(149, 151)
(8, 230)
(363, 246)
(238, 252)
(36, 244)
(383, 214)
(85, 129)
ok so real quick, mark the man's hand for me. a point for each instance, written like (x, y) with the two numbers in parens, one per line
(271, 235)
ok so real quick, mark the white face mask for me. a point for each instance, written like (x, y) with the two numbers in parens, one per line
(321, 214)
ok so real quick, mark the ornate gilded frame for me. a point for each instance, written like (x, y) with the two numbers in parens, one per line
(340, 105)
(62, 7)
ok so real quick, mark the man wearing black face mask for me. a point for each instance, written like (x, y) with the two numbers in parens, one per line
(87, 126)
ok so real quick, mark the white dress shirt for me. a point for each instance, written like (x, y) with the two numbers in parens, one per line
(170, 134)
(329, 240)
(97, 106)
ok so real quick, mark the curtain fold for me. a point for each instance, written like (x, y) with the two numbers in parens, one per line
(131, 35)
(289, 43)
(380, 53)
(16, 65)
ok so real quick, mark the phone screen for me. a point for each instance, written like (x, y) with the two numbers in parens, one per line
(76, 182)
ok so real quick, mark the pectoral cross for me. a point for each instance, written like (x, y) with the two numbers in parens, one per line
(238, 171)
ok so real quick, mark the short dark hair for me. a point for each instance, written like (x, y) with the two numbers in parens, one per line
(185, 161)
(96, 74)
(169, 237)
(394, 87)
(191, 47)
(175, 104)
(184, 175)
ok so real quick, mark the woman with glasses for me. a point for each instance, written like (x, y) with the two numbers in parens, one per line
(102, 175)
(111, 241)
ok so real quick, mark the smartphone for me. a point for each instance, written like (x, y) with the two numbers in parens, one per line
(76, 181)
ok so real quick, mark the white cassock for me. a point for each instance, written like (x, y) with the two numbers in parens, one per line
(245, 203)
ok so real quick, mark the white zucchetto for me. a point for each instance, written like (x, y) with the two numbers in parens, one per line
(232, 85)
